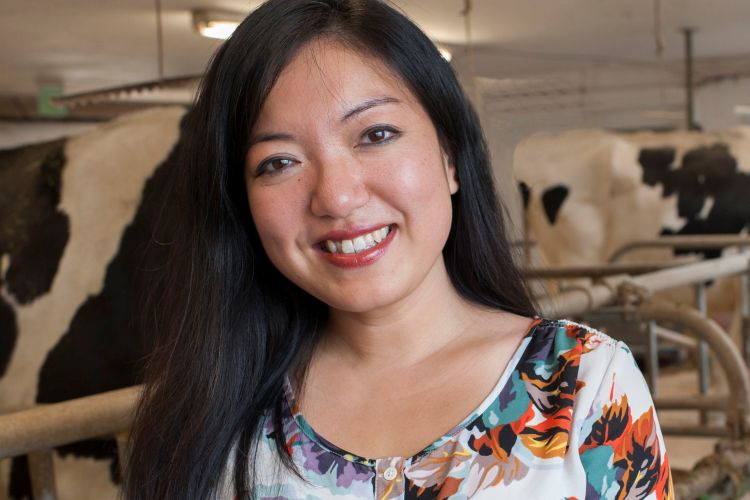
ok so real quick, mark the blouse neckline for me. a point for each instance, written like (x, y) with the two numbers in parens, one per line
(494, 393)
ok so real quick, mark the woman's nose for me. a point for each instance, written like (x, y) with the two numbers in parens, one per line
(339, 188)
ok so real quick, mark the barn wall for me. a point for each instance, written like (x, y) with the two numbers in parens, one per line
(714, 104)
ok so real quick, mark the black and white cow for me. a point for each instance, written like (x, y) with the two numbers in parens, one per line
(75, 217)
(588, 192)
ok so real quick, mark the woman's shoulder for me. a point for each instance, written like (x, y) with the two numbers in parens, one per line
(551, 338)
(573, 358)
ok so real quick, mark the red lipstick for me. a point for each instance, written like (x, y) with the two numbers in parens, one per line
(363, 258)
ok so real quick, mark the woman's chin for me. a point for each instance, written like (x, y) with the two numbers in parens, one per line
(362, 302)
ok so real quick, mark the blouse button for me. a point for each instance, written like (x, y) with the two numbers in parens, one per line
(390, 473)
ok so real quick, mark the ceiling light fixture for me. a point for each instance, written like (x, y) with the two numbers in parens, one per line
(447, 54)
(213, 23)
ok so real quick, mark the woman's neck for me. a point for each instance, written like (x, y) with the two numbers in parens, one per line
(404, 333)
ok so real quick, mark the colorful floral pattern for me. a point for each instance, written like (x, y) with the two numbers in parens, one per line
(571, 417)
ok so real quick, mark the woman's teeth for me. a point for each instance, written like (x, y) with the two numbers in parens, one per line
(359, 243)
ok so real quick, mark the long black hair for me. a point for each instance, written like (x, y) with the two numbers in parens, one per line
(228, 326)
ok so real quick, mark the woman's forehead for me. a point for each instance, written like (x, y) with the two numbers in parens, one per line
(327, 78)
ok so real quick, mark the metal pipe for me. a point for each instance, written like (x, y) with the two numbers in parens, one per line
(580, 299)
(745, 313)
(652, 358)
(704, 375)
(692, 403)
(689, 86)
(726, 353)
(598, 271)
(56, 424)
(693, 273)
(584, 298)
(695, 431)
(676, 338)
(697, 242)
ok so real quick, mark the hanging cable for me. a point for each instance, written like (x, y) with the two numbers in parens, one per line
(659, 49)
(159, 42)
(466, 12)
(658, 34)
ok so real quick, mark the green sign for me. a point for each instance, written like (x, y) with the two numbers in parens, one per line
(44, 104)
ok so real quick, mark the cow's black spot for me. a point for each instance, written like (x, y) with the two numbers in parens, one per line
(19, 486)
(8, 334)
(656, 163)
(96, 448)
(31, 272)
(552, 200)
(525, 191)
(32, 231)
(709, 172)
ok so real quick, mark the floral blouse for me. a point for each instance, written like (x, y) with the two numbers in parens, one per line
(570, 418)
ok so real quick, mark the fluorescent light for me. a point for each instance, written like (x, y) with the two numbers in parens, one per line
(447, 55)
(742, 109)
(221, 24)
(216, 23)
(217, 29)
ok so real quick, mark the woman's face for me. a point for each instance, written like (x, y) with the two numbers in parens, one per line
(348, 186)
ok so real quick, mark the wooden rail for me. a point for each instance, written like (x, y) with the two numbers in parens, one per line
(51, 425)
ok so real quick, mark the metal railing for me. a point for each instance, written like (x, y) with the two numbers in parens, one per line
(683, 242)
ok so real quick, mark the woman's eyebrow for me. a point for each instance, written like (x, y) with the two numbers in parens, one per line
(370, 103)
(270, 137)
(360, 108)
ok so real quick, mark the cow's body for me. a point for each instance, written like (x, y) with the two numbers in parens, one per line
(591, 191)
(74, 217)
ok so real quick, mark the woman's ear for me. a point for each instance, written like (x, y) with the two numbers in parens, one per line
(451, 174)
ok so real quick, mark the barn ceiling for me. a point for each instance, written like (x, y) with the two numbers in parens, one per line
(88, 44)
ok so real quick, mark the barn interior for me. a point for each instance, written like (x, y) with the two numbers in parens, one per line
(620, 138)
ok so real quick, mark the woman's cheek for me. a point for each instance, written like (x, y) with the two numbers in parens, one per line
(269, 215)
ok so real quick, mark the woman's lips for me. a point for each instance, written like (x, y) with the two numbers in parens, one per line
(346, 254)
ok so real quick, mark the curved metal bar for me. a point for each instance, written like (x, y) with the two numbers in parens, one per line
(581, 298)
(598, 271)
(728, 356)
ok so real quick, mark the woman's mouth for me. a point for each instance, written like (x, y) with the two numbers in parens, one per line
(356, 245)
(361, 250)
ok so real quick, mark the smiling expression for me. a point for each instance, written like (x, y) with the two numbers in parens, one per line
(348, 186)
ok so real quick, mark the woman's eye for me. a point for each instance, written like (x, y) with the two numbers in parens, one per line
(379, 134)
(274, 165)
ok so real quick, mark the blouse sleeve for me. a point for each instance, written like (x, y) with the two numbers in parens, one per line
(621, 445)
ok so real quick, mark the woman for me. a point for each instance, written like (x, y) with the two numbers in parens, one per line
(341, 270)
